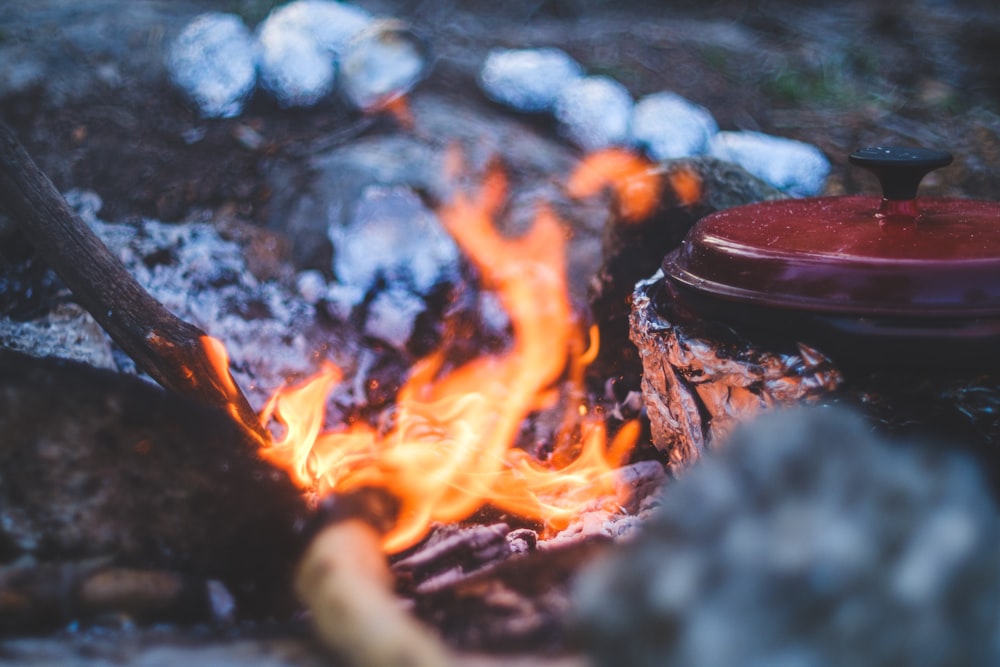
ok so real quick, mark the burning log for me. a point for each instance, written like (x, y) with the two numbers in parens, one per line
(345, 582)
(175, 353)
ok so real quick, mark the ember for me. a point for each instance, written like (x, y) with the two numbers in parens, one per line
(452, 446)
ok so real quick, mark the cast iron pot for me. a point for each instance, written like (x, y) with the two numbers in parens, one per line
(886, 281)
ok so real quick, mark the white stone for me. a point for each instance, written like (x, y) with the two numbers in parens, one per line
(382, 62)
(667, 126)
(213, 62)
(527, 79)
(795, 167)
(299, 44)
(594, 112)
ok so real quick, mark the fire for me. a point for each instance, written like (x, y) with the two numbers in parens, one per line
(451, 448)
(635, 182)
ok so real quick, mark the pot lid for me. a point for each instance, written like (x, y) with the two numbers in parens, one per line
(864, 255)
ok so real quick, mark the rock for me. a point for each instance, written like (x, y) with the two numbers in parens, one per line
(299, 44)
(213, 61)
(382, 62)
(667, 126)
(527, 79)
(594, 112)
(326, 24)
(805, 541)
(798, 168)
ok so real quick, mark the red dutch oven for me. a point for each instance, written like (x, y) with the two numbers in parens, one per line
(891, 280)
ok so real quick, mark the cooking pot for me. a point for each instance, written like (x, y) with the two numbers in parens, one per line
(890, 280)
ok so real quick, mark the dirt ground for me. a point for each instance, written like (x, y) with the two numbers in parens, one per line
(85, 89)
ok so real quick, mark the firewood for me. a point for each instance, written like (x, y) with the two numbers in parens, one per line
(173, 352)
(345, 582)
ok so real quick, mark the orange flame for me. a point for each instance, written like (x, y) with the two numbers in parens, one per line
(635, 182)
(452, 446)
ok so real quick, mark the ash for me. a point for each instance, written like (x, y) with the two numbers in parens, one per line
(806, 541)
(268, 330)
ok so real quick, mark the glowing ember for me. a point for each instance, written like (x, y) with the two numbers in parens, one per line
(634, 181)
(452, 446)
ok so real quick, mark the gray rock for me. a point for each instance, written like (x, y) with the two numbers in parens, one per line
(594, 112)
(392, 236)
(806, 541)
(668, 126)
(213, 61)
(382, 62)
(527, 79)
(795, 167)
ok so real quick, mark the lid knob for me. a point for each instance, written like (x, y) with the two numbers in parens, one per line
(900, 169)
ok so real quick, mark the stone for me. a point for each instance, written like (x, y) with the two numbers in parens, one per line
(805, 540)
(794, 167)
(527, 80)
(381, 63)
(213, 61)
(594, 112)
(667, 126)
(299, 46)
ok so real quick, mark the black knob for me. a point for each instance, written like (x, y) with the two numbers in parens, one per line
(900, 169)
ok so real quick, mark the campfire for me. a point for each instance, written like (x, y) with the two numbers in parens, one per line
(454, 391)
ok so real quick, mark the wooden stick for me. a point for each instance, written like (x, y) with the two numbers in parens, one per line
(345, 582)
(173, 352)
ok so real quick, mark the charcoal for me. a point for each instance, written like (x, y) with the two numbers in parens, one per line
(527, 80)
(667, 126)
(213, 61)
(805, 540)
(794, 167)
(381, 63)
(99, 464)
(593, 112)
